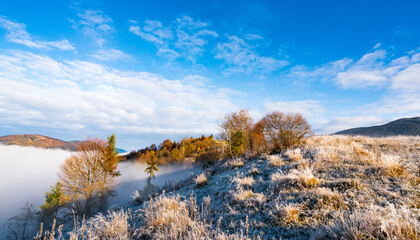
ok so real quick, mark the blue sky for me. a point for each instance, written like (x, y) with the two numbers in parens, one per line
(148, 71)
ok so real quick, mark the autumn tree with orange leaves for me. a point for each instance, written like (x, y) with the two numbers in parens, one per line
(88, 175)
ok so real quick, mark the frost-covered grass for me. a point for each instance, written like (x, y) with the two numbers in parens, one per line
(294, 179)
(244, 181)
(201, 179)
(275, 160)
(332, 187)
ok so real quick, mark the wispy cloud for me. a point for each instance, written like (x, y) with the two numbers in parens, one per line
(40, 92)
(372, 70)
(94, 24)
(110, 55)
(307, 108)
(185, 38)
(16, 32)
(397, 78)
(241, 56)
(345, 122)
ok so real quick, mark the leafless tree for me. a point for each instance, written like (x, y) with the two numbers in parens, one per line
(285, 130)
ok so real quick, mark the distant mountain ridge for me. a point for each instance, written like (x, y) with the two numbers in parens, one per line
(403, 126)
(40, 141)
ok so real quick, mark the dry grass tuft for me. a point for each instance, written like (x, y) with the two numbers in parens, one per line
(286, 214)
(293, 155)
(248, 197)
(275, 161)
(328, 199)
(391, 166)
(254, 171)
(244, 181)
(295, 179)
(235, 162)
(201, 179)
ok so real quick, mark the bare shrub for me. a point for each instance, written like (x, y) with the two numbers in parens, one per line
(285, 130)
(210, 157)
(258, 143)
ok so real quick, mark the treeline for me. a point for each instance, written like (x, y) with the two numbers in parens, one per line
(239, 134)
(176, 152)
(274, 132)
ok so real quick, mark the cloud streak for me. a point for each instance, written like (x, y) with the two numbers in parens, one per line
(110, 55)
(186, 38)
(16, 32)
(94, 24)
(398, 79)
(241, 56)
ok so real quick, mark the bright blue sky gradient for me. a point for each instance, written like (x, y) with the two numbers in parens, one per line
(151, 70)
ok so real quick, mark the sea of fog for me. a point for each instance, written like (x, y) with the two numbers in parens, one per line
(26, 173)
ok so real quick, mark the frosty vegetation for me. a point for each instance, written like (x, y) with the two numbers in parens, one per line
(276, 187)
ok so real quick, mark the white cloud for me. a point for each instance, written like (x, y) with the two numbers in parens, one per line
(40, 92)
(346, 122)
(94, 24)
(16, 32)
(398, 79)
(372, 70)
(110, 55)
(189, 23)
(252, 37)
(186, 38)
(243, 57)
(154, 32)
(361, 78)
(312, 110)
(407, 80)
(308, 108)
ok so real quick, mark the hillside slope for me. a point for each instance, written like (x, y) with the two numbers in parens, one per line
(38, 141)
(404, 126)
(332, 187)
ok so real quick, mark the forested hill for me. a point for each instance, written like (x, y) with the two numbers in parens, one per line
(404, 126)
(201, 149)
(38, 141)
